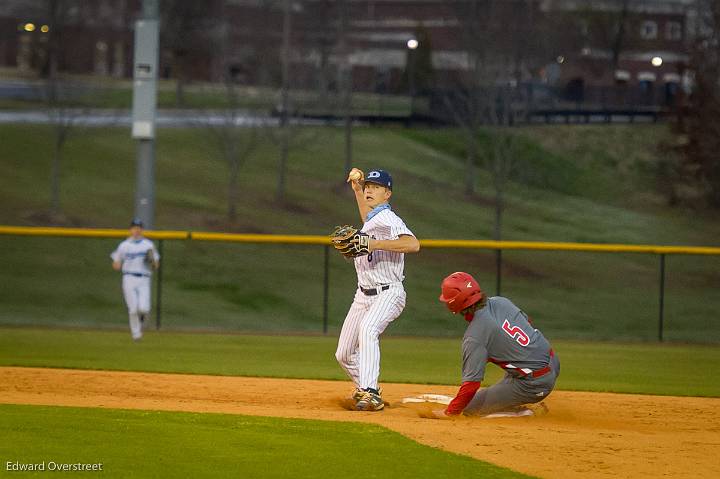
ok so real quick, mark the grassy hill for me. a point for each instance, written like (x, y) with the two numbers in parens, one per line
(605, 194)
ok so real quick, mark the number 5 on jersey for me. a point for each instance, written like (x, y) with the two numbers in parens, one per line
(516, 333)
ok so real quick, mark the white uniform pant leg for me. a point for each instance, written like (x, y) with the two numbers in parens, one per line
(144, 295)
(130, 285)
(385, 307)
(348, 344)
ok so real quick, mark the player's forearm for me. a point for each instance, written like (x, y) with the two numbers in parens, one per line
(464, 396)
(117, 265)
(363, 208)
(404, 244)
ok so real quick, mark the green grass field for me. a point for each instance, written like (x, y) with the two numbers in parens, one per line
(152, 444)
(586, 366)
(68, 282)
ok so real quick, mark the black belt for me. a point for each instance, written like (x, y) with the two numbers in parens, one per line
(374, 291)
(139, 275)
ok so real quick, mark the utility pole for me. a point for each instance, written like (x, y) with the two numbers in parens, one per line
(144, 107)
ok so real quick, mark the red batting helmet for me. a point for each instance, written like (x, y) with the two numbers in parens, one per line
(460, 291)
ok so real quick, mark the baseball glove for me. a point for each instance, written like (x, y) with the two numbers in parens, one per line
(150, 257)
(350, 242)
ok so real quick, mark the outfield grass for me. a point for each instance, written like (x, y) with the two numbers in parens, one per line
(68, 282)
(150, 444)
(604, 367)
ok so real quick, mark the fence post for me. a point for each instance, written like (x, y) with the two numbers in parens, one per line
(498, 271)
(326, 283)
(158, 289)
(662, 297)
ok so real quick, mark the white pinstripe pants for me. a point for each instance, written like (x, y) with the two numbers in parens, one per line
(358, 350)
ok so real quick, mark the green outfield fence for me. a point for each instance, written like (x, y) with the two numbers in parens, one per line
(496, 246)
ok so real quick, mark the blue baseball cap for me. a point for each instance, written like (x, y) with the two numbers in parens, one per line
(379, 177)
(136, 222)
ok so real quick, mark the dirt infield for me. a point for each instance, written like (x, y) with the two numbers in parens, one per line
(584, 435)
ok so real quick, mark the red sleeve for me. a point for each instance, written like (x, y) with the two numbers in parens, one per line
(464, 395)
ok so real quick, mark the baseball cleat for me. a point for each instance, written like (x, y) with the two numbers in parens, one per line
(369, 401)
(357, 394)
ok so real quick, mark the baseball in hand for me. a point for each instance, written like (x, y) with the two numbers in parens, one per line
(355, 175)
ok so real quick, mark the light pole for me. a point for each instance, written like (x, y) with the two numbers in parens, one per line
(412, 45)
(143, 108)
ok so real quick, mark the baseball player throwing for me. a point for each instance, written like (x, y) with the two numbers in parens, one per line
(136, 257)
(498, 332)
(379, 260)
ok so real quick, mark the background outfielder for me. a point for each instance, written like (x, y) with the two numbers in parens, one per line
(501, 333)
(380, 297)
(136, 257)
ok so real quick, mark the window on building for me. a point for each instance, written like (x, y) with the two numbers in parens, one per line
(649, 30)
(673, 31)
(622, 77)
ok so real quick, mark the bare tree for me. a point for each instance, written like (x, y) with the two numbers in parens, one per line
(605, 26)
(501, 162)
(284, 101)
(619, 28)
(184, 37)
(234, 130)
(62, 119)
(60, 97)
(291, 133)
(501, 45)
(236, 138)
(327, 26)
(695, 174)
(322, 31)
(346, 81)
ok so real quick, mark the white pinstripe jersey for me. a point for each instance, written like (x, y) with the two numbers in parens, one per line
(382, 267)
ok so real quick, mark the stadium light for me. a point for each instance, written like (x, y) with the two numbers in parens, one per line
(656, 61)
(45, 29)
(412, 44)
(29, 27)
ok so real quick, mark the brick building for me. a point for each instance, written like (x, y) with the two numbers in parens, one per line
(96, 35)
(639, 44)
(586, 44)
